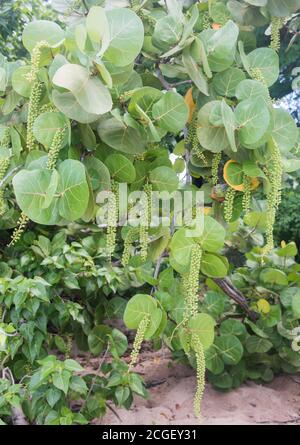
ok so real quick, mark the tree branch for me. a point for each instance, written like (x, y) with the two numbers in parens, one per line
(227, 287)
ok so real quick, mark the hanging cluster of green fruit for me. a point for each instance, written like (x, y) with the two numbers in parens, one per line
(106, 100)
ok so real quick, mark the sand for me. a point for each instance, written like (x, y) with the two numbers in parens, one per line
(172, 386)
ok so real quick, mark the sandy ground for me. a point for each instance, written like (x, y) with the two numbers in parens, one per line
(172, 387)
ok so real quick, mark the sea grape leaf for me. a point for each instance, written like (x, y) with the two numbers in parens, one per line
(47, 124)
(45, 30)
(126, 33)
(73, 190)
(253, 118)
(90, 92)
(68, 105)
(267, 61)
(33, 190)
(170, 112)
(118, 135)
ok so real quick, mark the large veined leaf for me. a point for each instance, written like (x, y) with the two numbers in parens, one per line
(143, 98)
(181, 247)
(285, 131)
(167, 33)
(137, 308)
(213, 236)
(67, 104)
(45, 30)
(34, 191)
(273, 276)
(164, 179)
(282, 8)
(73, 189)
(256, 344)
(98, 338)
(213, 138)
(230, 348)
(253, 118)
(203, 326)
(121, 168)
(98, 173)
(120, 136)
(47, 124)
(228, 119)
(252, 89)
(213, 360)
(20, 83)
(225, 83)
(97, 27)
(213, 266)
(90, 93)
(267, 61)
(221, 47)
(126, 32)
(171, 112)
(195, 72)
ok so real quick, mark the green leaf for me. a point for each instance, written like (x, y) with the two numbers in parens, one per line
(78, 385)
(171, 112)
(52, 396)
(252, 170)
(126, 33)
(98, 27)
(20, 83)
(118, 343)
(213, 266)
(214, 303)
(45, 30)
(256, 344)
(213, 236)
(121, 169)
(225, 83)
(285, 131)
(61, 380)
(230, 348)
(137, 308)
(273, 276)
(228, 119)
(98, 338)
(72, 365)
(203, 326)
(121, 394)
(181, 247)
(289, 250)
(282, 8)
(221, 47)
(167, 33)
(211, 137)
(164, 179)
(120, 136)
(98, 173)
(73, 190)
(296, 305)
(34, 191)
(267, 61)
(68, 105)
(233, 327)
(213, 360)
(47, 124)
(90, 92)
(195, 72)
(253, 118)
(252, 89)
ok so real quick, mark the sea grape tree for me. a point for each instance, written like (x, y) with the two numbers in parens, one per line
(104, 102)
